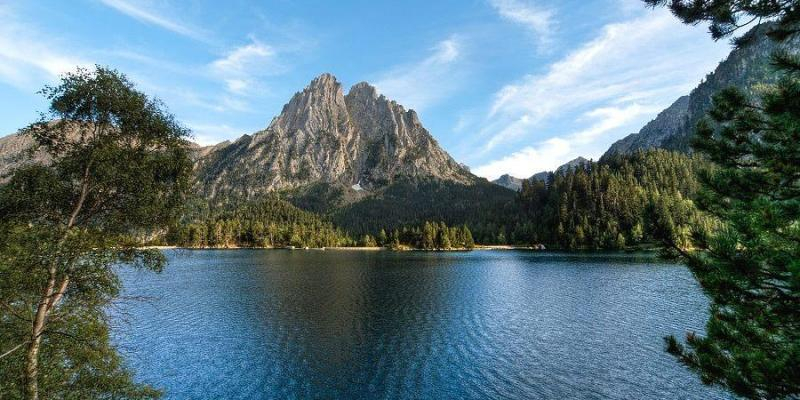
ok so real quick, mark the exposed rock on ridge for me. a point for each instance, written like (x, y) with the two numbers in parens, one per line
(323, 136)
(672, 129)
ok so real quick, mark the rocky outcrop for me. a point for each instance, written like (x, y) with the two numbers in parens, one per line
(668, 123)
(509, 182)
(579, 162)
(672, 129)
(359, 140)
(15, 151)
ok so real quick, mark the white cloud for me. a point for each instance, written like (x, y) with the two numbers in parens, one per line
(610, 118)
(539, 21)
(424, 83)
(557, 150)
(141, 12)
(241, 67)
(528, 161)
(211, 134)
(650, 60)
(28, 57)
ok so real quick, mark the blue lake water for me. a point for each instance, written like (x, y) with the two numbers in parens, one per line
(273, 324)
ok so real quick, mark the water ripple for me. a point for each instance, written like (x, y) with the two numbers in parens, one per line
(505, 325)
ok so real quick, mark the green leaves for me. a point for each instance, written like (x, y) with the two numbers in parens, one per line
(118, 171)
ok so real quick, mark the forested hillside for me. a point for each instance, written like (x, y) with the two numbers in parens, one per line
(270, 222)
(619, 202)
(484, 207)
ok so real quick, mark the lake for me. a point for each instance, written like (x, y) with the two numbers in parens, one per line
(264, 324)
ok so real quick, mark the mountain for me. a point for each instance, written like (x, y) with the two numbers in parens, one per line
(540, 176)
(361, 141)
(562, 170)
(745, 68)
(509, 182)
(571, 164)
(13, 153)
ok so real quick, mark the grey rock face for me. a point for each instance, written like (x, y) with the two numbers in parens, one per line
(14, 153)
(324, 136)
(672, 129)
(668, 123)
(571, 164)
(509, 182)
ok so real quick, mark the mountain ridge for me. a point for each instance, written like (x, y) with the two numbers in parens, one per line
(745, 67)
(324, 136)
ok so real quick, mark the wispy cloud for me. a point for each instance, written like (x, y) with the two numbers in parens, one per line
(240, 68)
(629, 71)
(529, 160)
(148, 15)
(537, 20)
(28, 57)
(555, 151)
(209, 134)
(422, 84)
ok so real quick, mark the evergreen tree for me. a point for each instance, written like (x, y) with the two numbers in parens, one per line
(383, 240)
(428, 236)
(468, 241)
(750, 266)
(443, 237)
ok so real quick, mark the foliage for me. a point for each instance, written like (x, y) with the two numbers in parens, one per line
(270, 222)
(486, 208)
(118, 171)
(612, 204)
(750, 267)
(728, 16)
(433, 236)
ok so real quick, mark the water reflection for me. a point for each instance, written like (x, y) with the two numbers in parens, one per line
(299, 324)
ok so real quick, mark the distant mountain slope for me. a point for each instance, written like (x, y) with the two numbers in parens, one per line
(672, 128)
(361, 141)
(486, 208)
(562, 169)
(13, 153)
(571, 164)
(509, 182)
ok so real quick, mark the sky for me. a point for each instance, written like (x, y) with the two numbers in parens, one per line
(505, 86)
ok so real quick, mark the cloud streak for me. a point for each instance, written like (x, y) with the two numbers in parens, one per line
(27, 57)
(148, 16)
(630, 71)
(537, 20)
(555, 151)
(423, 84)
(240, 68)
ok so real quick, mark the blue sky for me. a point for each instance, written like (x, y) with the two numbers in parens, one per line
(505, 86)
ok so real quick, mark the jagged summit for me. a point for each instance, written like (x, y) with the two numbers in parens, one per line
(325, 136)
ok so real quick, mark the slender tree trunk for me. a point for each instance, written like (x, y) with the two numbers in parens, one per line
(50, 299)
(32, 358)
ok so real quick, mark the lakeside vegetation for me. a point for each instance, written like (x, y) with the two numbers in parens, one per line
(623, 202)
(617, 203)
(119, 168)
(276, 223)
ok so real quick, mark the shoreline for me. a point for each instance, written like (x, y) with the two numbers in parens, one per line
(497, 247)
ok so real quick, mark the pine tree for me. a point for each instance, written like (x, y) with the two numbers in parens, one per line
(468, 241)
(750, 266)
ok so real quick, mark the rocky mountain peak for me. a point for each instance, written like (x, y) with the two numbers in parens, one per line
(509, 182)
(363, 90)
(319, 108)
(323, 136)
